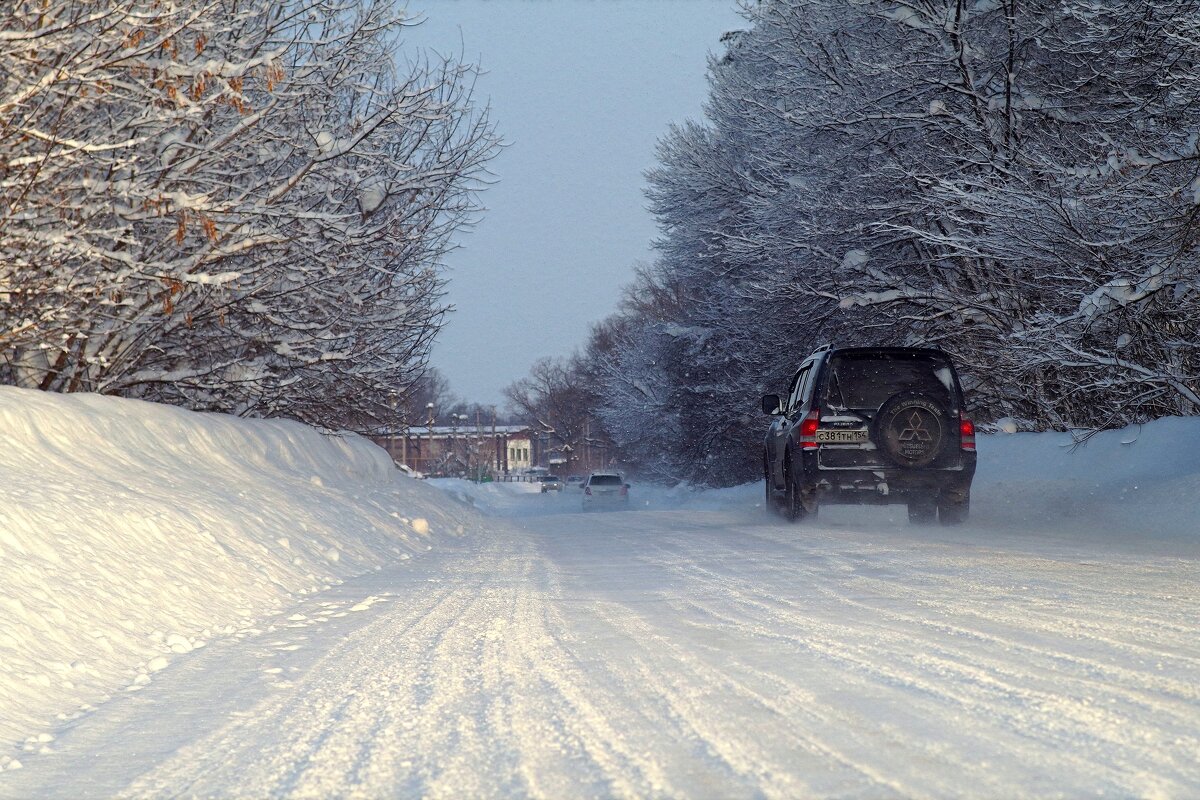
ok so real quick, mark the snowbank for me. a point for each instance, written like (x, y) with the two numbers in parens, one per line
(1143, 480)
(131, 532)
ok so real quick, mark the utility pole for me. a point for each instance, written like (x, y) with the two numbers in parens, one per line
(404, 441)
(429, 422)
(478, 451)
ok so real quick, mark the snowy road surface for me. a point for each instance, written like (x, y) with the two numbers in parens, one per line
(685, 653)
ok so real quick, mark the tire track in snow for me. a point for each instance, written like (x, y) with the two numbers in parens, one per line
(989, 684)
(1105, 675)
(595, 722)
(269, 749)
(779, 756)
(761, 742)
(756, 743)
(448, 700)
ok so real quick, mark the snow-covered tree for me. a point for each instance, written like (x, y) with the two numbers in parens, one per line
(701, 341)
(1009, 180)
(627, 367)
(556, 399)
(233, 206)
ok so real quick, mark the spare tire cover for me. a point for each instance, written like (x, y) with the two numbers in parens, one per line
(912, 429)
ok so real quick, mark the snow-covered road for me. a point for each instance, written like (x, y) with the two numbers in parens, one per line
(685, 653)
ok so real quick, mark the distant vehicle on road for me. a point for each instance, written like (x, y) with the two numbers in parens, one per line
(574, 482)
(605, 490)
(550, 483)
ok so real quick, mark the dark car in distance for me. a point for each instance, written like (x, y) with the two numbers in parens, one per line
(871, 425)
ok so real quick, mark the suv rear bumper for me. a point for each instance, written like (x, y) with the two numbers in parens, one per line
(884, 485)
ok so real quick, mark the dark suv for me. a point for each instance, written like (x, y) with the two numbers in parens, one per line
(871, 425)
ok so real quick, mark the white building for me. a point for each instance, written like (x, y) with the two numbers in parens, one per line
(520, 452)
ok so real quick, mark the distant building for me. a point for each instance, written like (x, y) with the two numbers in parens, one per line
(520, 451)
(458, 450)
(487, 450)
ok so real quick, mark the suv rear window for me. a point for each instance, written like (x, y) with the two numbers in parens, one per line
(605, 480)
(867, 380)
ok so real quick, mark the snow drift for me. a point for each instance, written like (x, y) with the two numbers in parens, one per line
(130, 532)
(1138, 482)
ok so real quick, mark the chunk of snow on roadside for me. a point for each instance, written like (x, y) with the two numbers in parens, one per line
(179, 644)
(366, 603)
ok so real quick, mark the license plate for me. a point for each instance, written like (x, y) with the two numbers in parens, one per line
(843, 436)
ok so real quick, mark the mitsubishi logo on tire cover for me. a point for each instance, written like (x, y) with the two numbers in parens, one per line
(915, 430)
(912, 430)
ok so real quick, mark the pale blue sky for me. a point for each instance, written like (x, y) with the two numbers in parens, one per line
(580, 90)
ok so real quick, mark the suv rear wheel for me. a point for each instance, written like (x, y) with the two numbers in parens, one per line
(798, 503)
(954, 510)
(769, 498)
(922, 511)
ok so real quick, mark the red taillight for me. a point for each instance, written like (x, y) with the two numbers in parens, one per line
(624, 490)
(966, 429)
(808, 429)
(587, 490)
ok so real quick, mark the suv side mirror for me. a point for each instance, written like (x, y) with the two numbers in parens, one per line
(770, 404)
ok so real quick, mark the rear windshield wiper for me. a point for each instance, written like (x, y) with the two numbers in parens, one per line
(845, 404)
